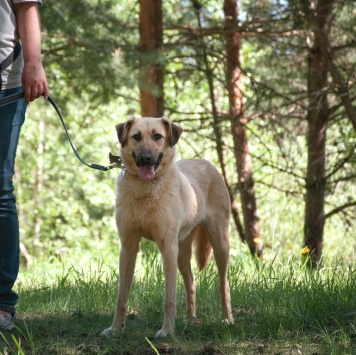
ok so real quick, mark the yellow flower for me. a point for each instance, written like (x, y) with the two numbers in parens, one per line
(257, 240)
(305, 250)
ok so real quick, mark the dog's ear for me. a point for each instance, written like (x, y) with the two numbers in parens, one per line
(174, 131)
(122, 129)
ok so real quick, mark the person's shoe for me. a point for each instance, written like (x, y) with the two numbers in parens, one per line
(6, 322)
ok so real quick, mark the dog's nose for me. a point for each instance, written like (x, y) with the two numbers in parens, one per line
(145, 159)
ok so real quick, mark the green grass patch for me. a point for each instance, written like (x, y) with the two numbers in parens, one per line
(279, 308)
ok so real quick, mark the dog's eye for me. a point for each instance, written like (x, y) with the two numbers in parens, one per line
(157, 136)
(136, 137)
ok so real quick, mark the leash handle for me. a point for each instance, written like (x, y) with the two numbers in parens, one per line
(14, 97)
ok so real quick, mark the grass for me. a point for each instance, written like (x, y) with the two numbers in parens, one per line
(279, 308)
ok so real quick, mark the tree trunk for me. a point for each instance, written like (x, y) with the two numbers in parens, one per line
(220, 144)
(239, 130)
(341, 86)
(318, 113)
(152, 69)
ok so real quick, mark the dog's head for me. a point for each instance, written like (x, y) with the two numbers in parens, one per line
(147, 144)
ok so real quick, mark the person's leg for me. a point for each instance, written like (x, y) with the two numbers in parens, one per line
(11, 119)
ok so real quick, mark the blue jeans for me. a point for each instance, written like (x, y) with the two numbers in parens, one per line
(12, 116)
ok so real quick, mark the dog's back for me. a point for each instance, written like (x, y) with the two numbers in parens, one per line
(207, 183)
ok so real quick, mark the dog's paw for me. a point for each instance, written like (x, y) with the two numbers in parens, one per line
(193, 320)
(111, 331)
(229, 321)
(163, 333)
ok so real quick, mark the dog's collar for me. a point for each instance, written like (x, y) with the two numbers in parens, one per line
(116, 162)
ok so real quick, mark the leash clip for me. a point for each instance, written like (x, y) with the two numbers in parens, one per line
(115, 162)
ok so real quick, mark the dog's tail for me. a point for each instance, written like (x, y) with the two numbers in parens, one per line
(203, 249)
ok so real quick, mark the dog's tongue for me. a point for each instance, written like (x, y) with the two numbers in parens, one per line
(146, 172)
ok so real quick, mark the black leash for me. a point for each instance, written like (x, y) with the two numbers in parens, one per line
(116, 161)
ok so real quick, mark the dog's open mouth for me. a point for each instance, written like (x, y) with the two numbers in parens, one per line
(148, 171)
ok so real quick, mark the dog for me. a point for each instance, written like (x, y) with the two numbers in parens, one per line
(175, 204)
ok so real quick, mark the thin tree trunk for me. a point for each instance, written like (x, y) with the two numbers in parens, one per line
(318, 113)
(239, 130)
(342, 89)
(217, 132)
(222, 158)
(152, 70)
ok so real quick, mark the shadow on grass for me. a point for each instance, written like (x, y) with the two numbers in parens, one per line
(70, 334)
(80, 334)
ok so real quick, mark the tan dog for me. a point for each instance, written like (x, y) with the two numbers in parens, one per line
(173, 204)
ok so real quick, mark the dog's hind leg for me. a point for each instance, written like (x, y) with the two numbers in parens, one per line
(184, 266)
(218, 237)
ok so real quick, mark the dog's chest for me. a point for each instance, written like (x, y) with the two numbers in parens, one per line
(144, 212)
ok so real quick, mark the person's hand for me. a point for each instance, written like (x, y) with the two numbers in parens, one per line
(34, 81)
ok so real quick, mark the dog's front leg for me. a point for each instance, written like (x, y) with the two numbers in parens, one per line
(127, 261)
(169, 256)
